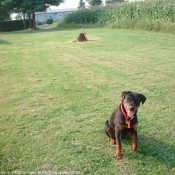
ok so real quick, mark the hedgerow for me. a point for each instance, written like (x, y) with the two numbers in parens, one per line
(85, 16)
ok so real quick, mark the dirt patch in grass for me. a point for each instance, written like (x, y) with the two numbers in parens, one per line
(86, 41)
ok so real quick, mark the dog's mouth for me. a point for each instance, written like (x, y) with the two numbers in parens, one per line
(130, 114)
(130, 110)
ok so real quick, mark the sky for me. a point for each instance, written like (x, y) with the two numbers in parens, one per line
(69, 4)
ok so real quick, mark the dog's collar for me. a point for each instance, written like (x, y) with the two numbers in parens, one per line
(128, 119)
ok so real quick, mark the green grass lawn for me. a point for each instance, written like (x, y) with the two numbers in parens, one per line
(56, 94)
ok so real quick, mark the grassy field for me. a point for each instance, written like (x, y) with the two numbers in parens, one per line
(56, 94)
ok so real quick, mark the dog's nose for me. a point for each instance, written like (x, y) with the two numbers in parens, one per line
(131, 108)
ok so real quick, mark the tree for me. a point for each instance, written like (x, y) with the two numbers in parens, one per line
(113, 1)
(30, 7)
(3, 12)
(94, 2)
(81, 5)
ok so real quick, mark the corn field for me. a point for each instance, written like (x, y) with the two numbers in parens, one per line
(149, 14)
(155, 10)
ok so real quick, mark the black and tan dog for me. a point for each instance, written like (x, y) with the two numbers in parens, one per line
(124, 120)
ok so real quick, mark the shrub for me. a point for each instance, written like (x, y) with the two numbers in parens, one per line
(39, 23)
(49, 21)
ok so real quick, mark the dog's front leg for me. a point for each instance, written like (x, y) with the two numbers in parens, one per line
(134, 141)
(118, 154)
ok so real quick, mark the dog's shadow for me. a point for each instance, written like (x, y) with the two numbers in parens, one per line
(159, 150)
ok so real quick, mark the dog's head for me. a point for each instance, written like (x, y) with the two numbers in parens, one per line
(131, 101)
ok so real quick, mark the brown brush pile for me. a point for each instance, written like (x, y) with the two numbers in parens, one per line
(82, 37)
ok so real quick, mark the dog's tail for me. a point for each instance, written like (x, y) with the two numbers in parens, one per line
(107, 126)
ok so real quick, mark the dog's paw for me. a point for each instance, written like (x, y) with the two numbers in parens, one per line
(118, 154)
(112, 141)
(136, 151)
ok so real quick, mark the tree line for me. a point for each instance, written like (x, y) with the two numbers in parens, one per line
(95, 2)
(29, 7)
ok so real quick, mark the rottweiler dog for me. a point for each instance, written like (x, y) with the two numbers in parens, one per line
(124, 122)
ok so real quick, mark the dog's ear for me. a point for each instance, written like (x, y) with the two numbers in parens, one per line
(143, 98)
(124, 93)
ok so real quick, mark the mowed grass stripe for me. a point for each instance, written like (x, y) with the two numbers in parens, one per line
(56, 95)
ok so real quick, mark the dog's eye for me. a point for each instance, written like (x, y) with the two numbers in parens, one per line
(130, 98)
